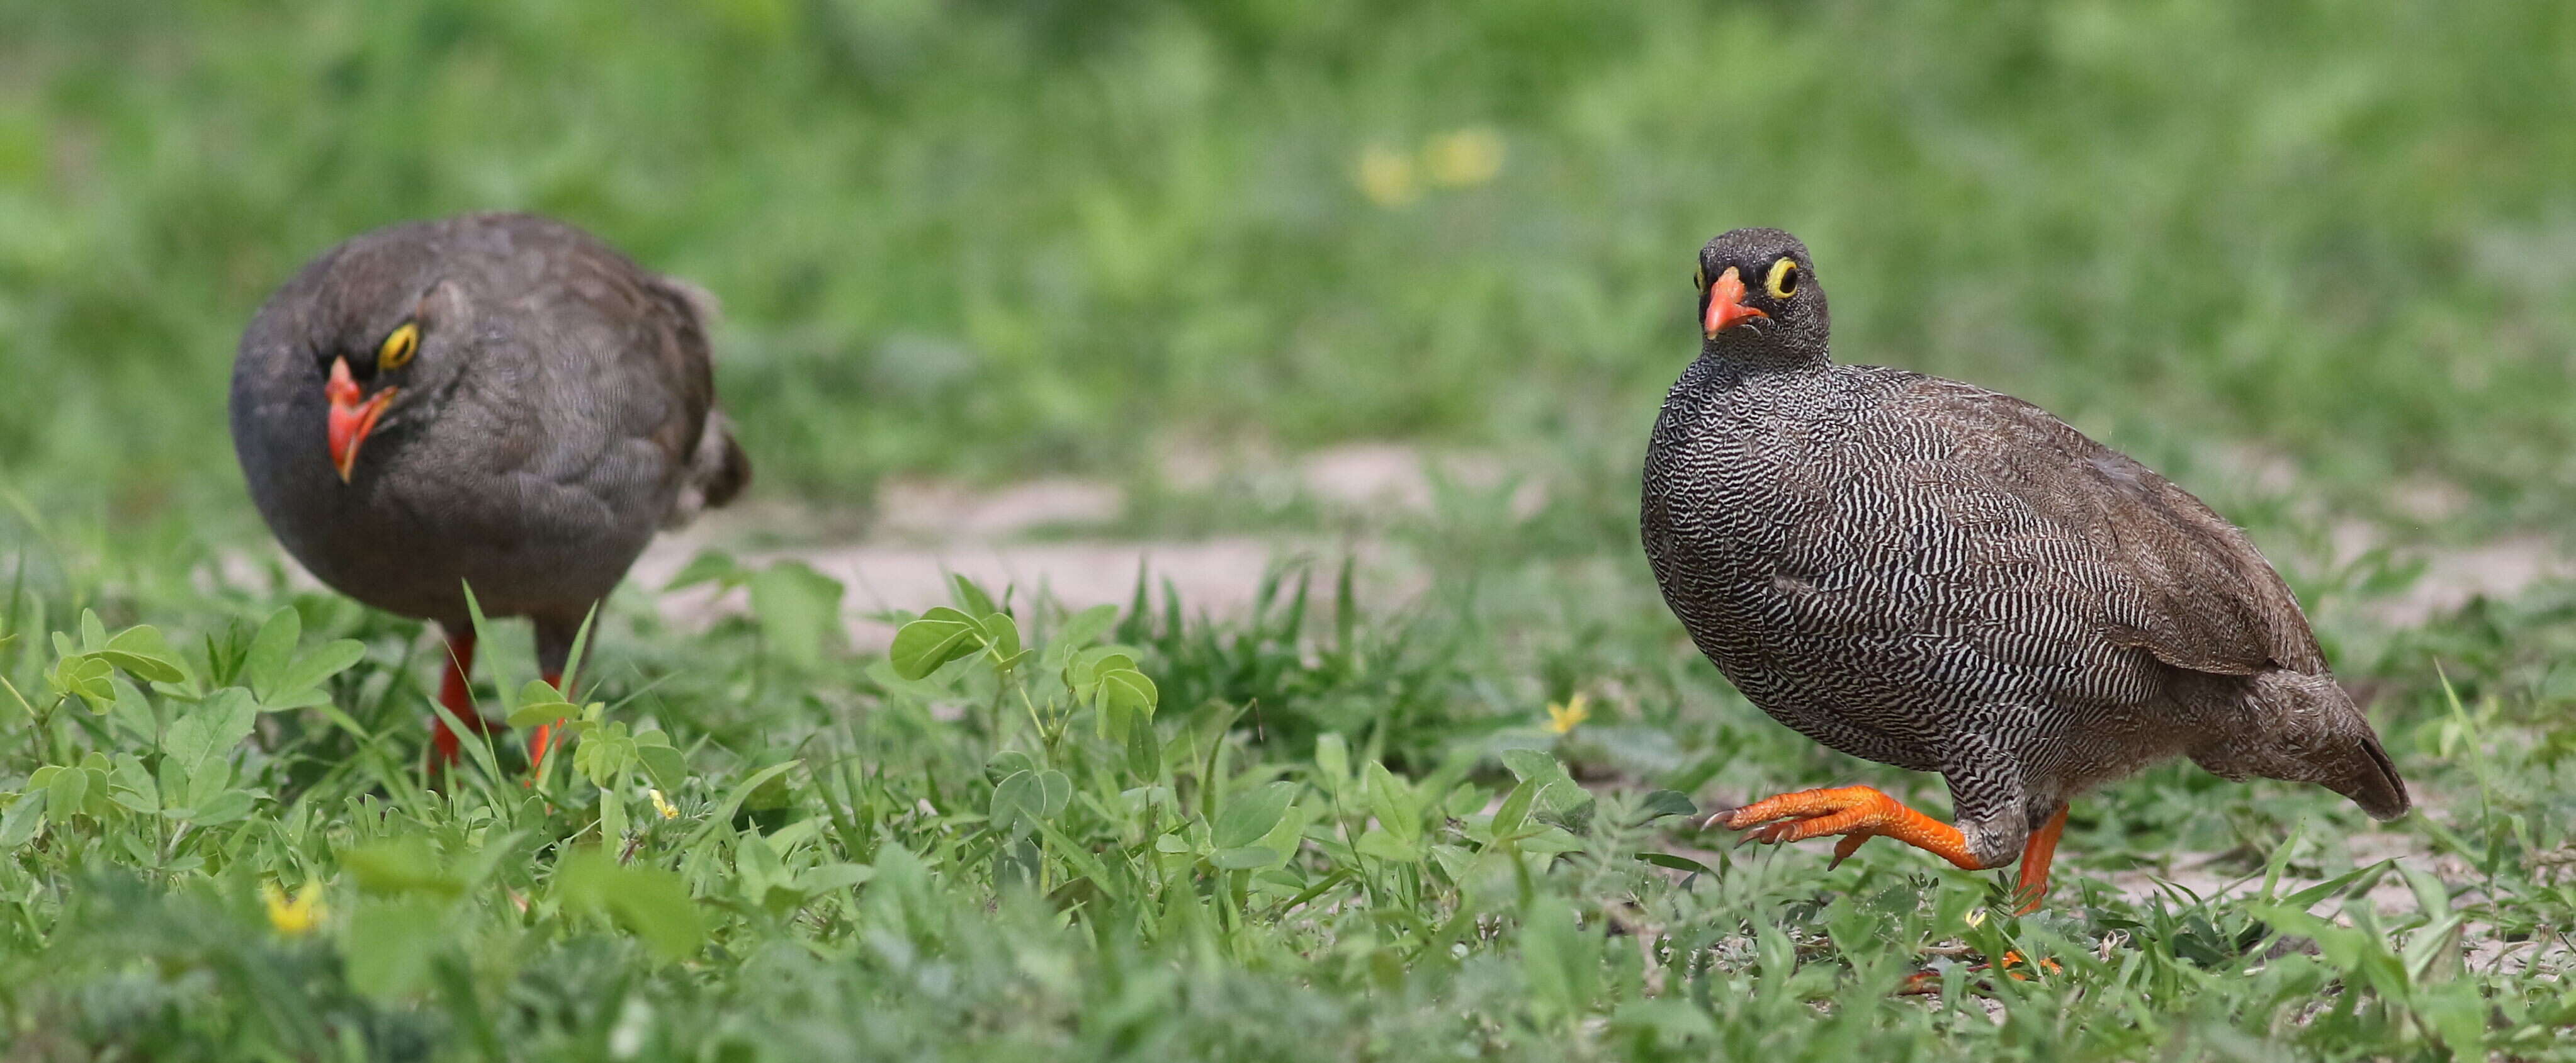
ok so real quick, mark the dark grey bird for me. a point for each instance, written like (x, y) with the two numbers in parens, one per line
(498, 401)
(1928, 574)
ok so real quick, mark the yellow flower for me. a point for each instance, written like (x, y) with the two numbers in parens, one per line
(662, 805)
(294, 918)
(1386, 176)
(1563, 718)
(1463, 158)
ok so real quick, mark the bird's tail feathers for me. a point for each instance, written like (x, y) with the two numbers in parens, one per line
(718, 471)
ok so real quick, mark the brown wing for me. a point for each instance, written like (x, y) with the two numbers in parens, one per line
(2190, 587)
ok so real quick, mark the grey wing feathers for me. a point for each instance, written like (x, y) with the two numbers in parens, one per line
(2192, 589)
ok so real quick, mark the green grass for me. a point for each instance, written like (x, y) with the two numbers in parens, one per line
(864, 864)
(986, 241)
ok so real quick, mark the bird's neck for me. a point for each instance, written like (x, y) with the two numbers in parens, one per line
(1727, 360)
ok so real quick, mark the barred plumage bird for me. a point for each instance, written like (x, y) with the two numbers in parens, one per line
(497, 400)
(1932, 575)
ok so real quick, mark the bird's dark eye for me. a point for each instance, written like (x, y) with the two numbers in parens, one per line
(1699, 279)
(398, 347)
(1784, 279)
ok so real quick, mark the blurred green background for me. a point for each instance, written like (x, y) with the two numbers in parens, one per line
(987, 240)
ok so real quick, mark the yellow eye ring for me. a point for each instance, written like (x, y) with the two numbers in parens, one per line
(398, 348)
(1783, 281)
(1699, 278)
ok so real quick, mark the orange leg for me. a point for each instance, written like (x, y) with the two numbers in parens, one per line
(2035, 856)
(1858, 813)
(541, 741)
(456, 695)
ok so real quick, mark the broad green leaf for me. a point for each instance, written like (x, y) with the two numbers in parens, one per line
(799, 611)
(1333, 761)
(66, 793)
(1662, 803)
(1560, 963)
(940, 636)
(1526, 763)
(87, 677)
(392, 944)
(209, 731)
(1248, 816)
(1288, 836)
(399, 866)
(1017, 805)
(1677, 863)
(1244, 858)
(132, 713)
(1055, 791)
(648, 902)
(612, 814)
(146, 669)
(605, 756)
(710, 566)
(272, 650)
(1008, 762)
(1082, 672)
(224, 807)
(1391, 801)
(310, 670)
(132, 786)
(1454, 861)
(539, 713)
(1144, 751)
(206, 782)
(1001, 635)
(654, 751)
(1550, 840)
(1566, 803)
(1515, 808)
(1128, 690)
(1464, 800)
(755, 861)
(93, 633)
(144, 654)
(1386, 846)
(24, 819)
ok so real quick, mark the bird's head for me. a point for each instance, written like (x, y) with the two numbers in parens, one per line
(376, 329)
(1758, 293)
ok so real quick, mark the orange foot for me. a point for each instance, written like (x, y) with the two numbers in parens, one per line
(1858, 813)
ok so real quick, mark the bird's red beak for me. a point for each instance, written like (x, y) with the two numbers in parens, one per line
(351, 417)
(1726, 307)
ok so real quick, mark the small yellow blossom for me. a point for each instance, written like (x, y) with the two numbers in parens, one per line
(297, 917)
(1463, 158)
(662, 805)
(1386, 176)
(1976, 918)
(1563, 718)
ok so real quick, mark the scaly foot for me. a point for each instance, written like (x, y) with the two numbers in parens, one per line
(1857, 813)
